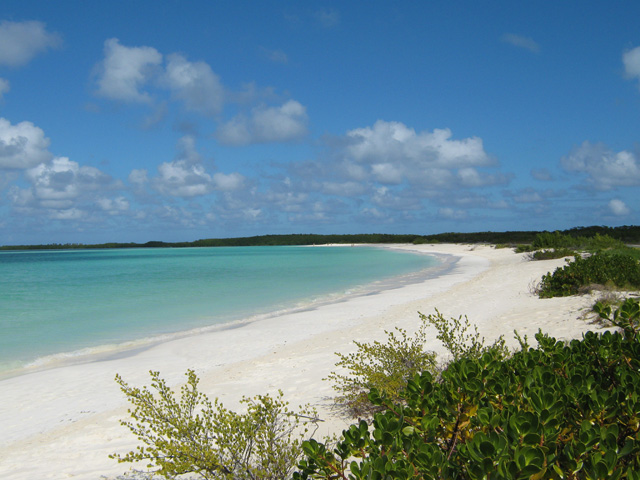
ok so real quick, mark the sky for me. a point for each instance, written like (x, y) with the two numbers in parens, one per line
(131, 121)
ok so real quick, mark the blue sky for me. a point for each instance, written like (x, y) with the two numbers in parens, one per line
(166, 120)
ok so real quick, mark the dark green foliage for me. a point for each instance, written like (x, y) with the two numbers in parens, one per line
(559, 411)
(564, 242)
(552, 253)
(626, 234)
(618, 270)
(555, 240)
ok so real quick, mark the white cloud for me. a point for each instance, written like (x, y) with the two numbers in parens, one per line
(521, 42)
(138, 177)
(631, 61)
(391, 153)
(67, 214)
(195, 84)
(183, 177)
(470, 177)
(390, 141)
(387, 173)
(179, 179)
(452, 214)
(230, 182)
(604, 169)
(22, 146)
(266, 124)
(21, 41)
(113, 206)
(4, 87)
(57, 184)
(618, 208)
(279, 124)
(125, 70)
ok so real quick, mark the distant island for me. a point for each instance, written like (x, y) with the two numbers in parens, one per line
(629, 234)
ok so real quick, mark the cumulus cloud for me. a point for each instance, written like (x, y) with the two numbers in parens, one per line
(22, 145)
(521, 42)
(631, 61)
(266, 124)
(390, 153)
(21, 41)
(195, 84)
(64, 190)
(185, 176)
(604, 168)
(113, 206)
(56, 184)
(387, 141)
(125, 70)
(618, 208)
(179, 179)
(228, 183)
(138, 177)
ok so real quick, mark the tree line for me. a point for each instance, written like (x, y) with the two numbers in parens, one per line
(627, 234)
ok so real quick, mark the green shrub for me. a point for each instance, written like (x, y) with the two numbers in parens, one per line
(617, 270)
(385, 366)
(524, 248)
(192, 435)
(554, 240)
(388, 366)
(559, 411)
(552, 253)
(603, 242)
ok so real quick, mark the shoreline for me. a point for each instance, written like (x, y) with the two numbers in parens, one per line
(127, 348)
(64, 422)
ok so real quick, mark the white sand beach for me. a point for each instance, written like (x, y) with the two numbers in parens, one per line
(63, 422)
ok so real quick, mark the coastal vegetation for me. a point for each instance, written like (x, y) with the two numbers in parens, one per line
(625, 234)
(388, 366)
(556, 411)
(559, 410)
(192, 435)
(614, 270)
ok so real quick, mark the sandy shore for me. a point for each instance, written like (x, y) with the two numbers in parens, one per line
(64, 422)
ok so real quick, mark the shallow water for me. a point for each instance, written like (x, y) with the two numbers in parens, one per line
(64, 303)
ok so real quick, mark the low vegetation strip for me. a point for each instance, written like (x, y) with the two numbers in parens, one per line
(624, 234)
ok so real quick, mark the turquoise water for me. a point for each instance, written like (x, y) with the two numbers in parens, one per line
(64, 302)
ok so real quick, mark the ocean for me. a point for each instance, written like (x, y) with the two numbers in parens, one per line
(64, 305)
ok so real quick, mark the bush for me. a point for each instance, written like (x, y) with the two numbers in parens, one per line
(192, 435)
(617, 270)
(554, 240)
(552, 253)
(387, 367)
(559, 411)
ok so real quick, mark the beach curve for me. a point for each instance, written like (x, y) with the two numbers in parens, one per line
(64, 422)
